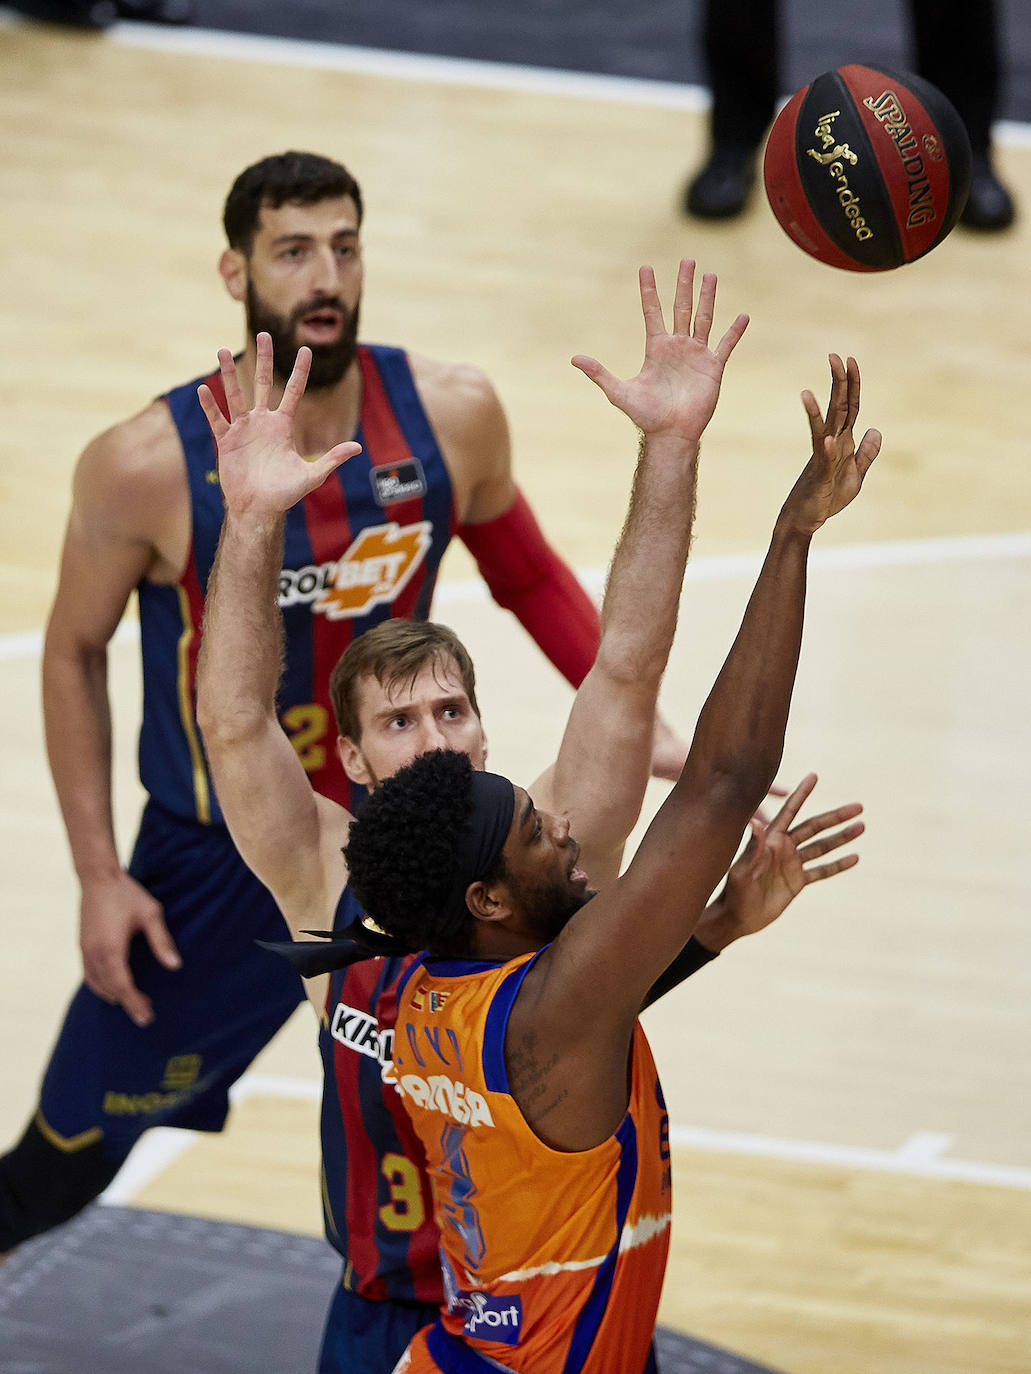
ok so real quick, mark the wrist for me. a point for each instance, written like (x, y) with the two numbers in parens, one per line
(718, 927)
(721, 924)
(791, 529)
(671, 444)
(98, 870)
(254, 523)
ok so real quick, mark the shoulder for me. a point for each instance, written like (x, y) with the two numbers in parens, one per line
(472, 431)
(454, 392)
(132, 474)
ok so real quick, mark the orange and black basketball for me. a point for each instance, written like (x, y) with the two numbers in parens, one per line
(867, 170)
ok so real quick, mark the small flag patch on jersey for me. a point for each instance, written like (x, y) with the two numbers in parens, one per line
(428, 999)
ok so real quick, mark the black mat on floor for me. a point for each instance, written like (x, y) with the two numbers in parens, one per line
(123, 1291)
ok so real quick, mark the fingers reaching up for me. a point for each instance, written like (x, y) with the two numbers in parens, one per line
(678, 385)
(260, 469)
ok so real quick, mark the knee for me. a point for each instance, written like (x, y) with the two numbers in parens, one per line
(42, 1185)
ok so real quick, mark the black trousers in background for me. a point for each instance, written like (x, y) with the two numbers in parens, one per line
(954, 46)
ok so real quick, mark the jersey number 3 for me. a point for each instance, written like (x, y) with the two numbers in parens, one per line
(405, 1210)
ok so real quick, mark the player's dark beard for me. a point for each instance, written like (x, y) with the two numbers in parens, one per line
(549, 909)
(329, 362)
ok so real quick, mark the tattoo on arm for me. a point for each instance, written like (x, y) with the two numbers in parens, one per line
(529, 1075)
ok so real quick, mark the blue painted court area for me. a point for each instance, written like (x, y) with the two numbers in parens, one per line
(125, 1291)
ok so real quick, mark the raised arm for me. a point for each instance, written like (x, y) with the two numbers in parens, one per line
(740, 732)
(582, 997)
(287, 834)
(523, 570)
(604, 761)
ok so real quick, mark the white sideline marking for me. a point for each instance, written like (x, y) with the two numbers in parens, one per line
(163, 1145)
(920, 1156)
(270, 1085)
(451, 71)
(925, 1147)
(889, 553)
(156, 1150)
(447, 71)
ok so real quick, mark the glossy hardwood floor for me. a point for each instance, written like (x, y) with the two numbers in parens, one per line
(850, 1094)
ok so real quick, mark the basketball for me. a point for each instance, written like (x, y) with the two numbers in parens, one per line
(867, 170)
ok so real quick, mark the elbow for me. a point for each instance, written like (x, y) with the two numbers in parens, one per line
(63, 652)
(750, 780)
(621, 660)
(739, 785)
(209, 718)
(224, 729)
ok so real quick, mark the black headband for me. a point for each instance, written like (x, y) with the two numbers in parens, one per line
(481, 839)
(477, 850)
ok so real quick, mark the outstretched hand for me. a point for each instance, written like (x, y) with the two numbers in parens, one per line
(260, 470)
(834, 474)
(780, 859)
(678, 385)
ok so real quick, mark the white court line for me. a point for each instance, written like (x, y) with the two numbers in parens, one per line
(912, 1157)
(271, 1085)
(920, 1156)
(451, 71)
(163, 1145)
(447, 71)
(926, 1145)
(157, 1149)
(890, 553)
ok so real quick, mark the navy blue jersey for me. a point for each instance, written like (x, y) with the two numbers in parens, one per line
(369, 1149)
(363, 547)
(366, 546)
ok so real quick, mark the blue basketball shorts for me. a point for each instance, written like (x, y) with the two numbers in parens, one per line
(211, 1017)
(364, 1337)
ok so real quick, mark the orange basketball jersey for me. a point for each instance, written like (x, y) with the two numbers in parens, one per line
(553, 1261)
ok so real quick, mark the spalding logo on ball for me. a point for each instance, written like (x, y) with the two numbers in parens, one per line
(867, 169)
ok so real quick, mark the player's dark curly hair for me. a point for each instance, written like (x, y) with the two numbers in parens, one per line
(305, 178)
(401, 853)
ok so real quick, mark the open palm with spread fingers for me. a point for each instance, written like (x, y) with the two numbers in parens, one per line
(679, 383)
(781, 859)
(834, 475)
(260, 470)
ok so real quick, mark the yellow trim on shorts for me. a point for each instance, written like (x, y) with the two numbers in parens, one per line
(70, 1144)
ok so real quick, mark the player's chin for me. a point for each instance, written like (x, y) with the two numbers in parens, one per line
(562, 913)
(580, 895)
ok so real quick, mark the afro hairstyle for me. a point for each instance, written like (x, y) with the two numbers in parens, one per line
(401, 852)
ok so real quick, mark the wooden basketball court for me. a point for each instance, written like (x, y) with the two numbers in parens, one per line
(850, 1093)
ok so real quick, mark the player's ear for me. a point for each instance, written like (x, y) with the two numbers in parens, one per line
(488, 901)
(232, 267)
(353, 761)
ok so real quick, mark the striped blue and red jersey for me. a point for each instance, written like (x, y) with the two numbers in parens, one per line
(375, 1194)
(363, 547)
